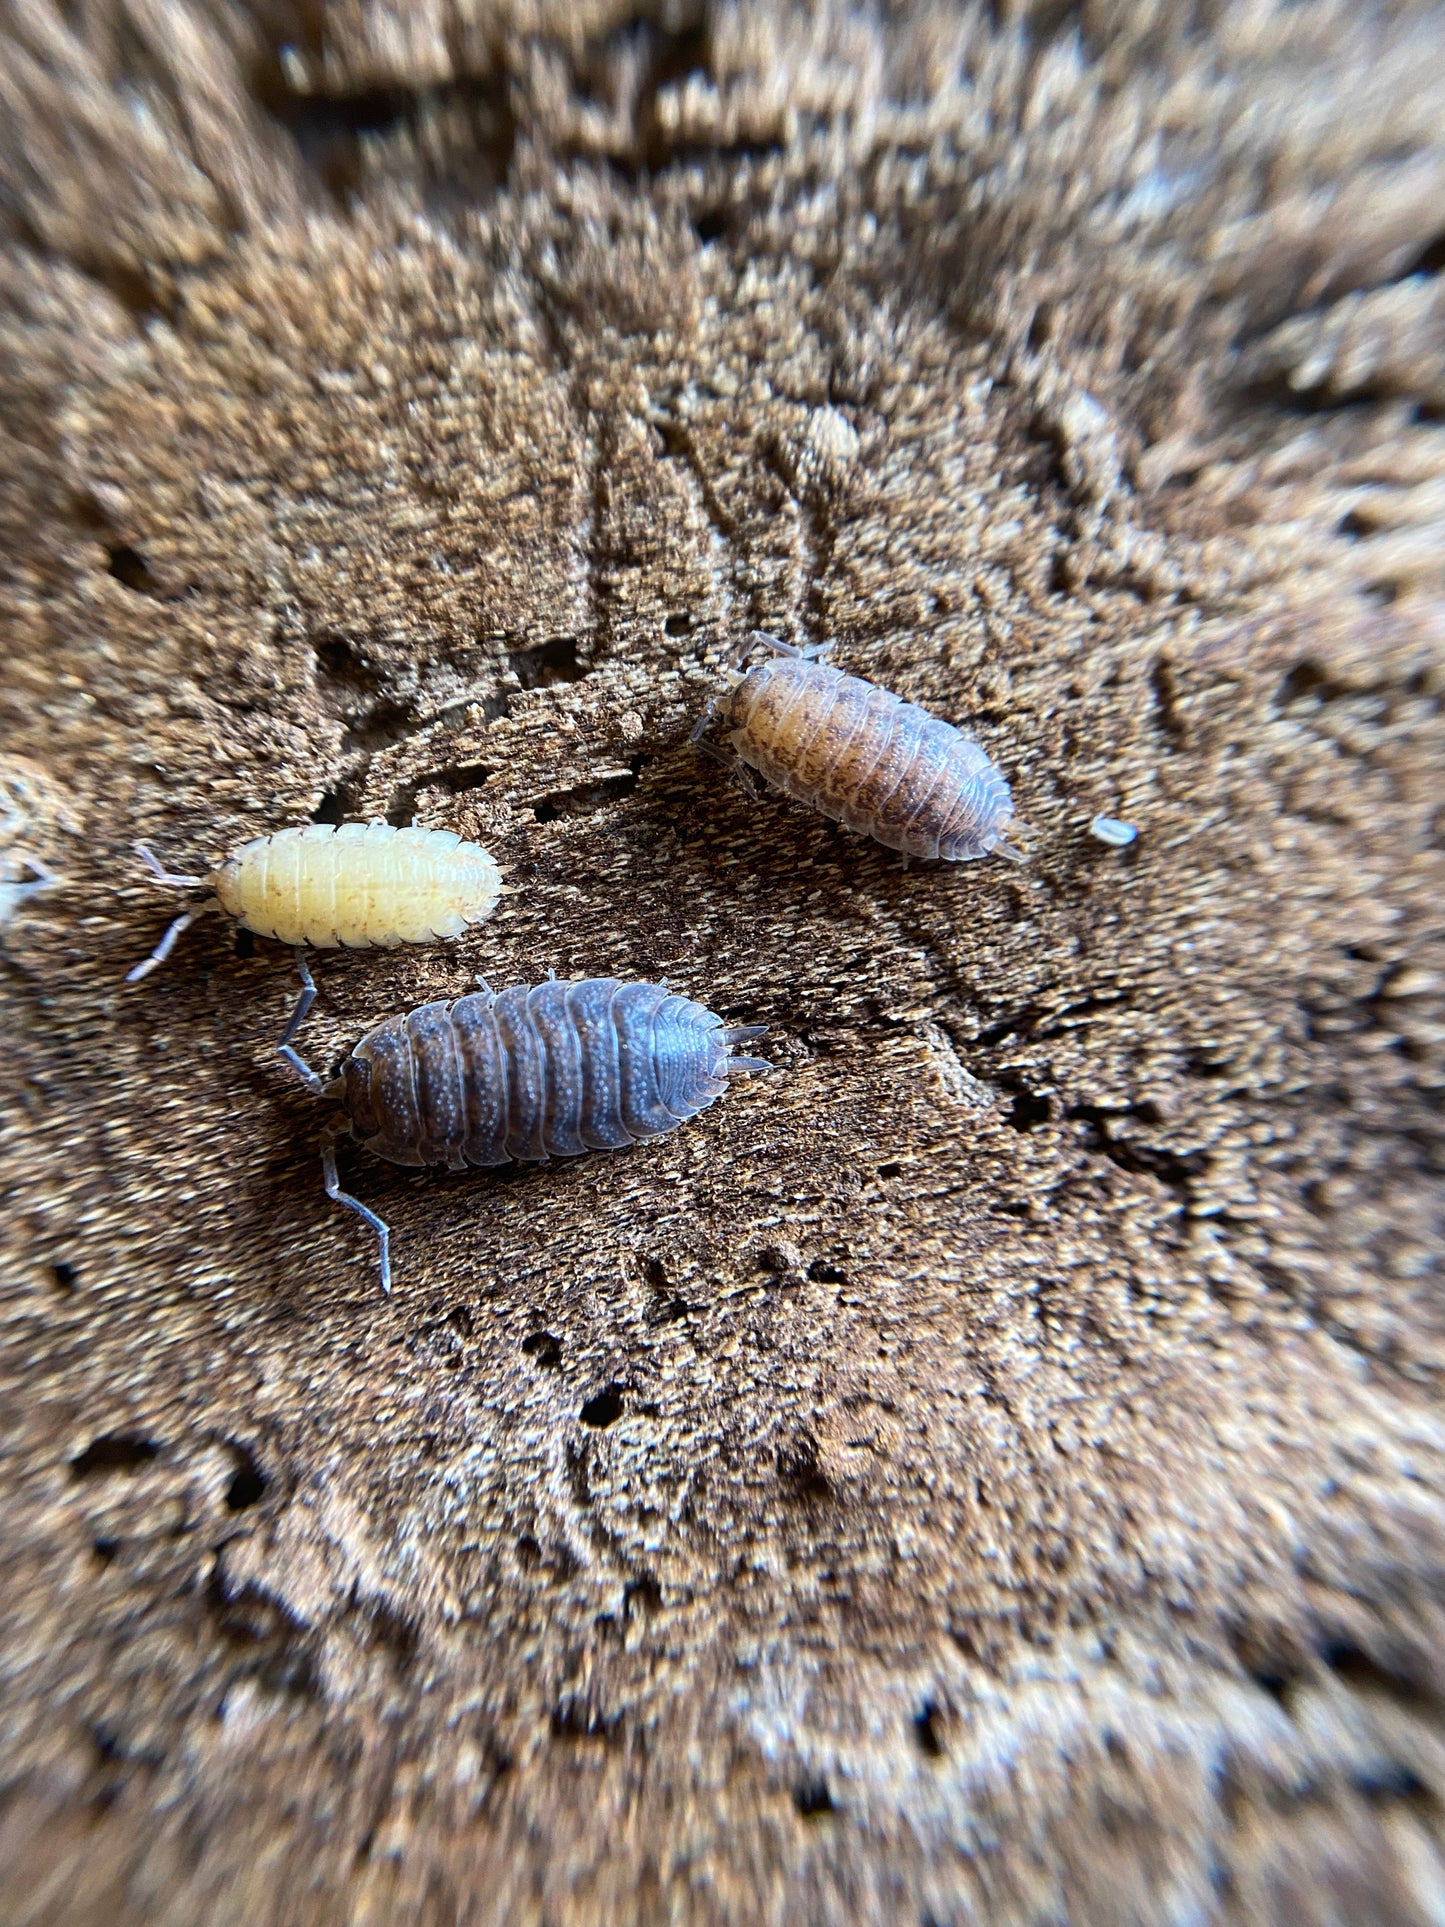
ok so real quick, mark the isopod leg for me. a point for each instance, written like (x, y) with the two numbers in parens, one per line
(316, 1085)
(334, 1190)
(303, 1002)
(735, 1064)
(164, 948)
(704, 723)
(706, 719)
(727, 758)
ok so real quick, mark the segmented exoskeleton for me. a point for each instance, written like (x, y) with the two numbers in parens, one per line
(541, 1071)
(863, 756)
(357, 886)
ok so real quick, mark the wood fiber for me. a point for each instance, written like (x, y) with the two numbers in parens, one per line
(989, 1471)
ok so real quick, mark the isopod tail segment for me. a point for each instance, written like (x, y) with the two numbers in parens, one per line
(736, 1034)
(179, 925)
(1014, 847)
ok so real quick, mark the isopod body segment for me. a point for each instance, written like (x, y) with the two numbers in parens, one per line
(863, 756)
(357, 885)
(534, 1072)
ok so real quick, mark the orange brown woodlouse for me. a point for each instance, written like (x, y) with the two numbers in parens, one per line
(879, 765)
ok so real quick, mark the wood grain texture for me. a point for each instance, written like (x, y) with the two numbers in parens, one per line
(990, 1471)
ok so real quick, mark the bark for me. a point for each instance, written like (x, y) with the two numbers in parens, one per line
(989, 1471)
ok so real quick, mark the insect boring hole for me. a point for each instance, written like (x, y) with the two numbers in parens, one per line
(604, 1408)
(544, 1350)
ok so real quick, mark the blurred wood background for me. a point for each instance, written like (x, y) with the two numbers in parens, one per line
(988, 1472)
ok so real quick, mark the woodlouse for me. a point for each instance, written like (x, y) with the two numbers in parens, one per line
(863, 756)
(533, 1072)
(357, 885)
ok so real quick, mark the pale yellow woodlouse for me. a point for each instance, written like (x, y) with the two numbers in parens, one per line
(357, 886)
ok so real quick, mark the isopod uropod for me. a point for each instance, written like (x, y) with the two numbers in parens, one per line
(549, 1070)
(865, 757)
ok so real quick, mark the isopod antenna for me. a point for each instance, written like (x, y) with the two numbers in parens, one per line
(175, 881)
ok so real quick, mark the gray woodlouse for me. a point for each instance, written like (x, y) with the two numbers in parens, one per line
(863, 756)
(533, 1072)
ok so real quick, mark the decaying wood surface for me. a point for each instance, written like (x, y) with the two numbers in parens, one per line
(989, 1471)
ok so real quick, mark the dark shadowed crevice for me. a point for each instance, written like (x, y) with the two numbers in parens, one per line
(131, 570)
(1177, 1170)
(1029, 1109)
(800, 1471)
(586, 798)
(641, 1597)
(544, 1349)
(1430, 259)
(547, 663)
(467, 123)
(114, 1452)
(604, 1408)
(373, 717)
(457, 779)
(576, 1717)
(268, 1643)
(927, 1731)
(248, 1482)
